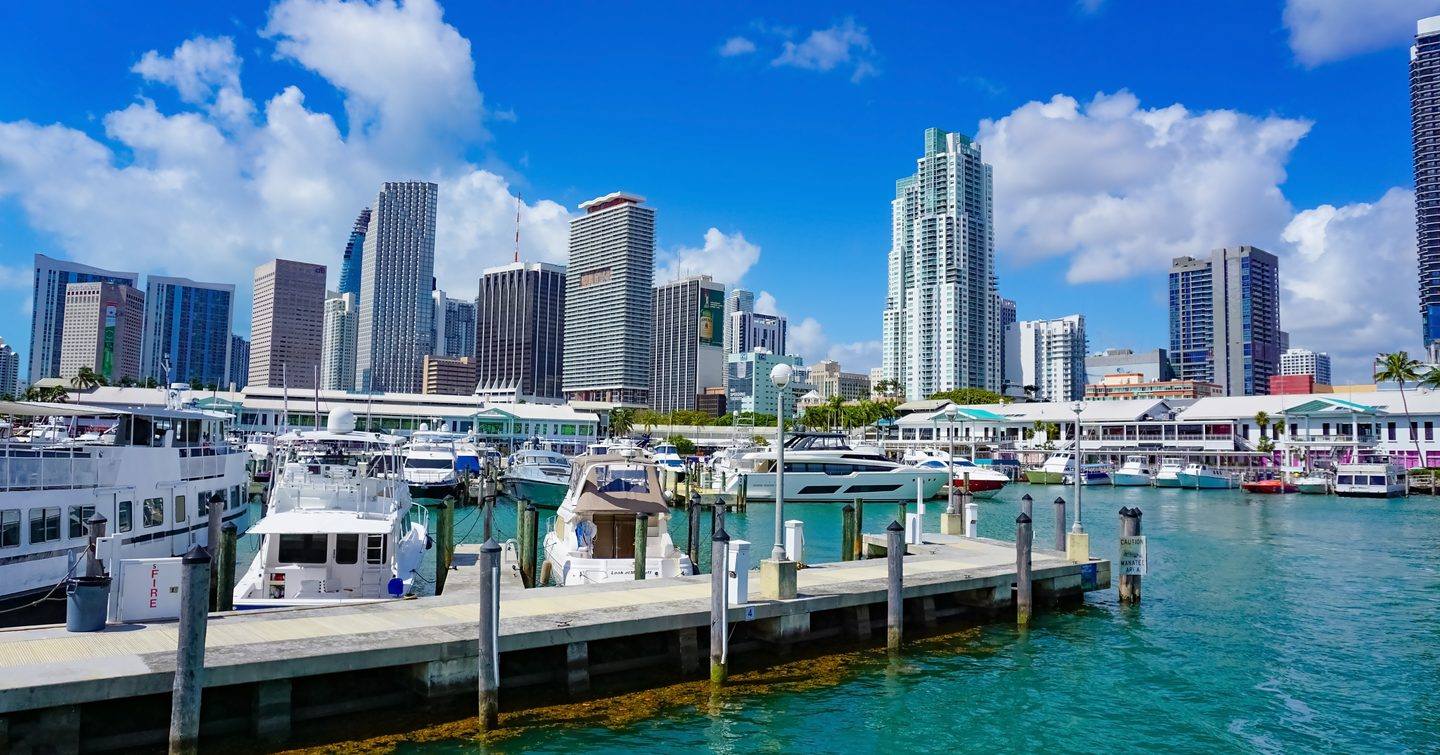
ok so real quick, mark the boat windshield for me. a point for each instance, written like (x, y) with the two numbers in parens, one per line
(413, 462)
(818, 443)
(621, 480)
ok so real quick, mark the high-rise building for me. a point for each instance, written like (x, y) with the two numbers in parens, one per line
(104, 324)
(688, 348)
(452, 376)
(1306, 362)
(337, 355)
(747, 380)
(608, 300)
(748, 331)
(354, 255)
(520, 331)
(188, 328)
(397, 272)
(287, 324)
(830, 381)
(239, 362)
(1049, 355)
(454, 326)
(1010, 385)
(9, 370)
(738, 301)
(48, 309)
(1225, 319)
(1425, 139)
(941, 321)
(1153, 365)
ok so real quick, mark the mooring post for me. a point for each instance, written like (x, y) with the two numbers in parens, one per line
(526, 531)
(190, 652)
(1059, 524)
(642, 537)
(847, 533)
(1129, 583)
(719, 580)
(692, 532)
(489, 503)
(489, 649)
(894, 584)
(215, 514)
(94, 530)
(743, 499)
(859, 552)
(1027, 505)
(225, 569)
(1023, 597)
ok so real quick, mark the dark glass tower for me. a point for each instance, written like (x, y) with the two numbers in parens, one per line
(1425, 135)
(354, 254)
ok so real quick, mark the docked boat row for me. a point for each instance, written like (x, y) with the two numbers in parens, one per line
(1365, 477)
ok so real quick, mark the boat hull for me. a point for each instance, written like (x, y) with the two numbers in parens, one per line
(1202, 482)
(1130, 479)
(546, 495)
(1268, 487)
(821, 487)
(568, 571)
(1312, 488)
(980, 488)
(1041, 477)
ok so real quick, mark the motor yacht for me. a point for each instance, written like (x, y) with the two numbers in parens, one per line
(667, 457)
(539, 476)
(1373, 478)
(1314, 483)
(1169, 474)
(1204, 477)
(1090, 474)
(1134, 472)
(1053, 471)
(835, 476)
(979, 481)
(428, 466)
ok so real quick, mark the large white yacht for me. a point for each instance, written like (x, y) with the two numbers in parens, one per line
(593, 538)
(338, 528)
(151, 472)
(983, 481)
(827, 467)
(428, 465)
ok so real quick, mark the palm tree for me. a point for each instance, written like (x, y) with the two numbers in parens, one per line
(1401, 369)
(1431, 379)
(1262, 421)
(85, 379)
(835, 403)
(621, 421)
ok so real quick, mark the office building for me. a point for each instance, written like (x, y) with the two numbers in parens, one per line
(712, 401)
(688, 344)
(48, 308)
(830, 381)
(520, 332)
(102, 332)
(337, 355)
(941, 320)
(748, 331)
(187, 330)
(748, 385)
(1225, 319)
(452, 376)
(287, 323)
(608, 301)
(393, 331)
(1010, 385)
(1153, 364)
(454, 326)
(239, 362)
(1306, 362)
(9, 370)
(1050, 356)
(354, 255)
(737, 301)
(1120, 386)
(1425, 139)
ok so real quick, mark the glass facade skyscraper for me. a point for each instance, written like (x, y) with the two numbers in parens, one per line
(48, 315)
(187, 323)
(395, 326)
(1425, 137)
(354, 255)
(1225, 319)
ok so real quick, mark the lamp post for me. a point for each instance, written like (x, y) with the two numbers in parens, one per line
(950, 412)
(1079, 406)
(780, 375)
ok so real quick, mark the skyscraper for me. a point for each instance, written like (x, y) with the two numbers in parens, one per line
(454, 326)
(688, 349)
(1225, 319)
(748, 331)
(9, 370)
(287, 323)
(1010, 384)
(520, 331)
(103, 327)
(1050, 355)
(1425, 139)
(189, 323)
(239, 363)
(941, 324)
(608, 300)
(1306, 362)
(394, 331)
(738, 301)
(337, 355)
(48, 314)
(354, 255)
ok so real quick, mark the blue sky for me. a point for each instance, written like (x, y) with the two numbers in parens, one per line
(201, 139)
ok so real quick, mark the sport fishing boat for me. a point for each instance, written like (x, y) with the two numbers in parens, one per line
(428, 466)
(338, 529)
(1134, 472)
(1372, 478)
(539, 476)
(667, 457)
(1053, 471)
(1203, 477)
(593, 537)
(1090, 474)
(1169, 474)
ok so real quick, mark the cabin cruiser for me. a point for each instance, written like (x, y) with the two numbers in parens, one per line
(979, 481)
(1373, 477)
(666, 456)
(1135, 471)
(1204, 477)
(832, 476)
(542, 477)
(428, 466)
(1169, 474)
(1053, 471)
(1090, 474)
(337, 529)
(594, 534)
(151, 472)
(1313, 483)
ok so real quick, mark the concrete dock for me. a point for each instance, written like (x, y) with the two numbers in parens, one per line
(269, 670)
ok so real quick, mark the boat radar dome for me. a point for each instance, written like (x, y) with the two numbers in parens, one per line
(341, 420)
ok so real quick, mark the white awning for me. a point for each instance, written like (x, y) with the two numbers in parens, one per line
(39, 409)
(320, 523)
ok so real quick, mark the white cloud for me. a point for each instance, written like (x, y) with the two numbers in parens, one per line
(807, 338)
(736, 46)
(845, 45)
(724, 257)
(1121, 189)
(1324, 31)
(203, 71)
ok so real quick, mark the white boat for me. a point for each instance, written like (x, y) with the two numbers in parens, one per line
(826, 476)
(984, 482)
(428, 466)
(1053, 471)
(337, 529)
(151, 472)
(1090, 474)
(1204, 477)
(1135, 471)
(593, 537)
(1169, 474)
(1313, 483)
(666, 456)
(542, 477)
(1374, 478)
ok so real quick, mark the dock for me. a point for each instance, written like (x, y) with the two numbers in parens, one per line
(269, 671)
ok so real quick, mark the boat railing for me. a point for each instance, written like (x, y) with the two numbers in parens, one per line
(199, 463)
(23, 467)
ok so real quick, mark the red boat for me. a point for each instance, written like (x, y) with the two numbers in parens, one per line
(1268, 487)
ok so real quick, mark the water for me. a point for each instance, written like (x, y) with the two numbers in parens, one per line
(1269, 623)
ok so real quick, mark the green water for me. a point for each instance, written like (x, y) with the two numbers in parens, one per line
(1269, 623)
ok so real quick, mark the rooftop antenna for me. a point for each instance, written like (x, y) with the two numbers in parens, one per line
(518, 202)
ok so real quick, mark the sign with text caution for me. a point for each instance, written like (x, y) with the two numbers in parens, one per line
(1132, 556)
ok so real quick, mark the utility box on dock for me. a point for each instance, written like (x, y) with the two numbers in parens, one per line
(795, 540)
(739, 577)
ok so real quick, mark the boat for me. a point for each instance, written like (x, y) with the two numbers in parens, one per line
(668, 458)
(1169, 474)
(1203, 477)
(593, 537)
(1090, 474)
(1053, 471)
(541, 477)
(1134, 472)
(151, 472)
(428, 466)
(979, 481)
(338, 529)
(835, 476)
(1313, 484)
(1370, 477)
(1269, 486)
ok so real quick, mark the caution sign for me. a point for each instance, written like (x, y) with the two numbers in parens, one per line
(1132, 556)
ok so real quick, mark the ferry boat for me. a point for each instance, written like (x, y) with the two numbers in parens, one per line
(338, 529)
(1053, 471)
(1373, 478)
(593, 537)
(539, 476)
(1203, 477)
(151, 472)
(1134, 472)
(1090, 474)
(1169, 474)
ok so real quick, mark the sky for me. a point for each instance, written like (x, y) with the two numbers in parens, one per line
(203, 139)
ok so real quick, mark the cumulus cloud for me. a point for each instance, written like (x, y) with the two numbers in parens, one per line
(807, 338)
(1323, 31)
(1121, 188)
(724, 257)
(203, 71)
(845, 45)
(736, 46)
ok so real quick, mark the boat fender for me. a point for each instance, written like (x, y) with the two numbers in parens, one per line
(429, 542)
(396, 588)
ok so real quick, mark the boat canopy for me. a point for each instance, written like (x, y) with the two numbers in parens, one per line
(318, 522)
(40, 409)
(617, 484)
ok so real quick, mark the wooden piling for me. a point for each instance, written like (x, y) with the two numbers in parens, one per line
(847, 533)
(859, 551)
(1129, 584)
(742, 498)
(1027, 505)
(642, 538)
(489, 647)
(692, 532)
(1024, 598)
(894, 585)
(719, 574)
(528, 526)
(1059, 524)
(215, 514)
(445, 537)
(190, 652)
(225, 569)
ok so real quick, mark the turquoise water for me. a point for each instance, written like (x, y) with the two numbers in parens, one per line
(1269, 623)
